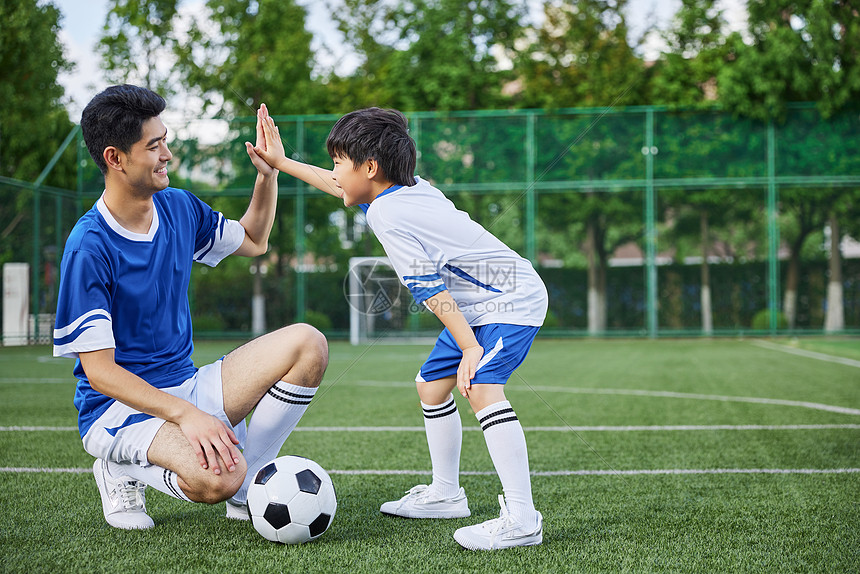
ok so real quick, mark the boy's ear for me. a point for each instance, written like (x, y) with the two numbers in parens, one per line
(371, 168)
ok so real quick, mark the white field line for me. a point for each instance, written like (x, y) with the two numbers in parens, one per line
(659, 394)
(653, 428)
(807, 354)
(646, 472)
(38, 380)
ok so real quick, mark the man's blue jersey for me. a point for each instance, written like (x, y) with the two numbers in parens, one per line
(129, 291)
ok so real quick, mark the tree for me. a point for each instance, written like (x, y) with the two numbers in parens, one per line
(137, 44)
(581, 57)
(686, 76)
(33, 120)
(430, 54)
(799, 51)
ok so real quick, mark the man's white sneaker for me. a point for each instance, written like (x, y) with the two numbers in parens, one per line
(123, 499)
(419, 502)
(502, 532)
(237, 510)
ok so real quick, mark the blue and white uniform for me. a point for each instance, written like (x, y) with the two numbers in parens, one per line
(129, 292)
(434, 247)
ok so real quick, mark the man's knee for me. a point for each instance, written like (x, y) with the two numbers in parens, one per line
(313, 353)
(212, 488)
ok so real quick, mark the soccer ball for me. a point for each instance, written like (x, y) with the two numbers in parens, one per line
(291, 500)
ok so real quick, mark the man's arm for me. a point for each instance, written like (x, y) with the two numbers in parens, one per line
(206, 433)
(273, 154)
(445, 308)
(260, 216)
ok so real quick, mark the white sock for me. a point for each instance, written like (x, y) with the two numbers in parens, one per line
(507, 445)
(157, 477)
(274, 418)
(444, 438)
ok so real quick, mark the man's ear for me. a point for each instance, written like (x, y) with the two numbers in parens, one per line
(113, 158)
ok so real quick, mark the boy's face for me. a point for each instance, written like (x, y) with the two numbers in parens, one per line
(355, 184)
(145, 165)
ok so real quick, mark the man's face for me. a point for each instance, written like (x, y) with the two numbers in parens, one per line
(146, 162)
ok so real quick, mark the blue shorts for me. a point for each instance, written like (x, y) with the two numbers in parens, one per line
(505, 348)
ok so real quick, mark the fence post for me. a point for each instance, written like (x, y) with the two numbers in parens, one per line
(300, 226)
(772, 230)
(650, 227)
(531, 251)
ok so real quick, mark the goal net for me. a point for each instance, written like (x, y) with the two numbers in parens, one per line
(381, 307)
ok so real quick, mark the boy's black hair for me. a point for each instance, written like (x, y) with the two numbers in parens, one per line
(115, 117)
(374, 133)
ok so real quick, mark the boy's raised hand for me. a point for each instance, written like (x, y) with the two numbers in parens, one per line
(263, 167)
(269, 145)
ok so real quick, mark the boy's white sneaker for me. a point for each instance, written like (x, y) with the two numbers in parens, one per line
(419, 502)
(237, 510)
(502, 532)
(123, 499)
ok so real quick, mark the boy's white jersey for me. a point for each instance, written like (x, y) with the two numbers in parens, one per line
(433, 246)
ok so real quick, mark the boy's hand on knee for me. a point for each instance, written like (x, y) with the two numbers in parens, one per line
(208, 436)
(468, 368)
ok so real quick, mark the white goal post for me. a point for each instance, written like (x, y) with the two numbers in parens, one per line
(381, 307)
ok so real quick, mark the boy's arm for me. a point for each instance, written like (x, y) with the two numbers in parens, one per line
(273, 154)
(206, 433)
(445, 308)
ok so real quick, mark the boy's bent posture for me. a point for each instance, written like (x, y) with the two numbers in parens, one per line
(145, 412)
(490, 300)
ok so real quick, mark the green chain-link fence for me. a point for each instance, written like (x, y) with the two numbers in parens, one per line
(628, 215)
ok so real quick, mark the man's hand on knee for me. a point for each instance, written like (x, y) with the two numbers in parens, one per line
(208, 435)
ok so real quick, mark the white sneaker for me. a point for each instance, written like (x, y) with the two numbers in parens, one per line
(123, 499)
(502, 532)
(418, 504)
(237, 510)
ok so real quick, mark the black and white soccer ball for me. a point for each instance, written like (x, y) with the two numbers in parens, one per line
(291, 500)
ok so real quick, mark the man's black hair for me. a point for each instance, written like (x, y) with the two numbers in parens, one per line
(115, 117)
(374, 133)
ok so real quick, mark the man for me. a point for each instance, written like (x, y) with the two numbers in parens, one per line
(145, 412)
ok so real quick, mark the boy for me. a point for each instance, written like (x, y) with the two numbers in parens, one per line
(145, 412)
(490, 300)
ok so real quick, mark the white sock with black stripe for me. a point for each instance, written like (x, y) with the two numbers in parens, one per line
(507, 445)
(444, 438)
(274, 418)
(157, 477)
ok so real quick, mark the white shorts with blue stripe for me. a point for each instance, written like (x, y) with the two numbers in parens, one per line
(123, 434)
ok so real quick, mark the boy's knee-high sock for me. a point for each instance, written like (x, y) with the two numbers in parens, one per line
(274, 418)
(155, 476)
(507, 445)
(444, 438)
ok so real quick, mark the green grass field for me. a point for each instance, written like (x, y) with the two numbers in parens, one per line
(664, 456)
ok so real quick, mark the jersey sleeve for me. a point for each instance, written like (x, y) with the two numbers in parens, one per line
(217, 237)
(413, 267)
(83, 321)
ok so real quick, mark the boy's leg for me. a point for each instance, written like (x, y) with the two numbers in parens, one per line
(443, 498)
(444, 431)
(519, 524)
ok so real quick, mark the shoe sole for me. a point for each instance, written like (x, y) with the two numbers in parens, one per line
(428, 514)
(525, 541)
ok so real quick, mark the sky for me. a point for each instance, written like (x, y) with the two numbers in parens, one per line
(83, 20)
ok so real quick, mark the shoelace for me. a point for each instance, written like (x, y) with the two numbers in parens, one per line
(504, 521)
(131, 494)
(419, 491)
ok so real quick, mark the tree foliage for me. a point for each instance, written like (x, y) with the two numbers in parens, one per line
(33, 120)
